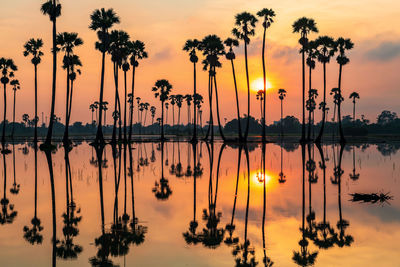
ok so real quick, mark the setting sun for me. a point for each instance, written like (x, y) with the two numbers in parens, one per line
(258, 84)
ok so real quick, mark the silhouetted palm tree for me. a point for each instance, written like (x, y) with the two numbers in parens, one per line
(119, 51)
(152, 113)
(342, 45)
(282, 95)
(192, 46)
(7, 69)
(67, 42)
(8, 212)
(230, 55)
(179, 100)
(354, 175)
(52, 8)
(312, 93)
(32, 47)
(304, 26)
(137, 52)
(74, 63)
(189, 99)
(245, 24)
(325, 50)
(355, 96)
(173, 102)
(101, 21)
(267, 15)
(161, 189)
(16, 86)
(162, 89)
(212, 47)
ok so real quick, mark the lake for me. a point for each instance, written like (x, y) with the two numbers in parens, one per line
(203, 205)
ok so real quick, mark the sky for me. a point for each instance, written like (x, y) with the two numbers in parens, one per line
(164, 26)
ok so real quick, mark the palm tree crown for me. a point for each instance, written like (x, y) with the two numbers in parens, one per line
(212, 48)
(325, 48)
(304, 26)
(7, 68)
(268, 15)
(49, 9)
(231, 43)
(282, 94)
(191, 46)
(32, 47)
(341, 45)
(162, 88)
(137, 51)
(354, 95)
(245, 23)
(101, 21)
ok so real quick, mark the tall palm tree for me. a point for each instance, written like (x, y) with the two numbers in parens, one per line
(162, 89)
(342, 45)
(16, 86)
(325, 50)
(304, 26)
(312, 93)
(192, 46)
(153, 113)
(267, 15)
(101, 21)
(74, 63)
(7, 69)
(172, 100)
(125, 68)
(179, 100)
(355, 96)
(189, 99)
(52, 8)
(212, 47)
(245, 23)
(119, 50)
(92, 108)
(137, 51)
(32, 47)
(67, 42)
(230, 55)
(197, 101)
(282, 95)
(105, 108)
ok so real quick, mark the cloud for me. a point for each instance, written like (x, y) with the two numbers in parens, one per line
(163, 54)
(385, 51)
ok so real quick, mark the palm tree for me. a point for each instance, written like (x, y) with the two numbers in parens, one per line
(342, 45)
(52, 8)
(7, 68)
(355, 96)
(304, 26)
(101, 21)
(188, 99)
(105, 108)
(32, 47)
(179, 100)
(230, 55)
(310, 103)
(166, 112)
(212, 47)
(161, 90)
(245, 23)
(137, 51)
(92, 108)
(197, 101)
(146, 108)
(74, 62)
(267, 15)
(192, 46)
(172, 100)
(119, 50)
(325, 50)
(282, 95)
(67, 42)
(125, 68)
(16, 86)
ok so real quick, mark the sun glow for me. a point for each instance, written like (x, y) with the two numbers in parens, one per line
(258, 85)
(258, 178)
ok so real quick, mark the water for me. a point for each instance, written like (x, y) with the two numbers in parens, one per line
(182, 229)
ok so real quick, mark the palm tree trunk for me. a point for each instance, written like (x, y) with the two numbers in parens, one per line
(35, 139)
(162, 121)
(194, 104)
(65, 138)
(125, 107)
(354, 111)
(265, 86)
(321, 132)
(281, 118)
(3, 138)
(99, 135)
(309, 110)
(303, 129)
(216, 99)
(12, 133)
(53, 93)
(237, 101)
(114, 132)
(248, 92)
(342, 139)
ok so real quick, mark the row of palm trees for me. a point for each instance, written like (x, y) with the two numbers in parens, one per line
(323, 49)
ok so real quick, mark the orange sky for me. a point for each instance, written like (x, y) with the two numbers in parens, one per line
(165, 25)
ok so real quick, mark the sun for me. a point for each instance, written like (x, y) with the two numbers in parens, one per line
(258, 178)
(258, 85)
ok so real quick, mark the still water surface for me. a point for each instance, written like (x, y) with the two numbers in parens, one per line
(209, 205)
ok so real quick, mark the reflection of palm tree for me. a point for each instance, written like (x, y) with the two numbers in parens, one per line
(161, 189)
(343, 239)
(66, 249)
(304, 257)
(212, 236)
(33, 235)
(266, 260)
(243, 251)
(282, 176)
(354, 176)
(191, 236)
(310, 231)
(7, 214)
(325, 233)
(16, 187)
(231, 226)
